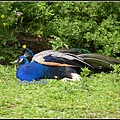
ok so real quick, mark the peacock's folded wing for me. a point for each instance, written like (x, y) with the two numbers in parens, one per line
(54, 58)
(98, 61)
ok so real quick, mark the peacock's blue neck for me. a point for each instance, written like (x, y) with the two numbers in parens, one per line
(26, 61)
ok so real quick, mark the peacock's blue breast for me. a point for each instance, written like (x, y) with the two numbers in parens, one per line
(35, 71)
(31, 71)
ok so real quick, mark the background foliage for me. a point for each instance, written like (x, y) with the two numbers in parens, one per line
(89, 25)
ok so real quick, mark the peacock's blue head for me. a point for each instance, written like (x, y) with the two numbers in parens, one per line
(24, 59)
(21, 60)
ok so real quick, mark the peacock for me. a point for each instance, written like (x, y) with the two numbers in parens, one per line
(63, 64)
(49, 64)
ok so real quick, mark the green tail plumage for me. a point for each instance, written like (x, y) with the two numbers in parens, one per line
(98, 61)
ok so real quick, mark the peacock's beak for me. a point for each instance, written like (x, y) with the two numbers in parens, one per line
(14, 62)
(17, 61)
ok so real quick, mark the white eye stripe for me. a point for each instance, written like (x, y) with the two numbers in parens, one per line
(20, 60)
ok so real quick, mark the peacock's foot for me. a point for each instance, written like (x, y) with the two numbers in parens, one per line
(75, 77)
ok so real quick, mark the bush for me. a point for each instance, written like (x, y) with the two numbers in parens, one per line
(89, 25)
(8, 42)
(33, 24)
(86, 25)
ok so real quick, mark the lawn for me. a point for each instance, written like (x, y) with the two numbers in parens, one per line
(95, 96)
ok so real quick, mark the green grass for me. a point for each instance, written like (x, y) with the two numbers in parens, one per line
(96, 96)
